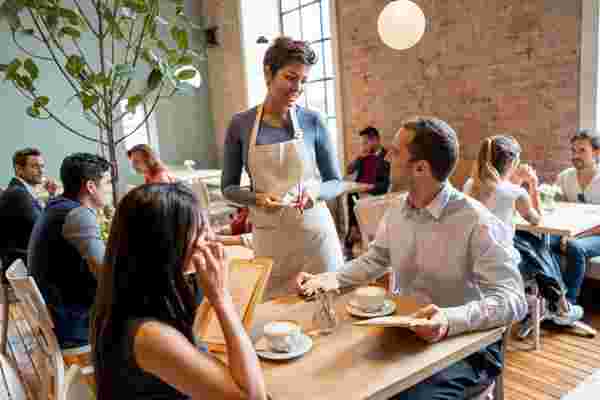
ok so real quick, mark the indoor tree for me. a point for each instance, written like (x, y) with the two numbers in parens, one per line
(107, 51)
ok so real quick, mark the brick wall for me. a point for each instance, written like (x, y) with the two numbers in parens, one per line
(485, 66)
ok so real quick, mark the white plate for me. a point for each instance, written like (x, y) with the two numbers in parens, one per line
(305, 344)
(388, 308)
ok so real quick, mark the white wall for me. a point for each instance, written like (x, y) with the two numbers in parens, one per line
(257, 21)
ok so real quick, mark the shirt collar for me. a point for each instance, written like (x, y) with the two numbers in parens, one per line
(437, 205)
(27, 186)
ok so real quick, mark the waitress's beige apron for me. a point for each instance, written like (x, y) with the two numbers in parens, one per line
(296, 242)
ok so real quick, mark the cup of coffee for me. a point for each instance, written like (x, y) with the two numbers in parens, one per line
(369, 298)
(282, 336)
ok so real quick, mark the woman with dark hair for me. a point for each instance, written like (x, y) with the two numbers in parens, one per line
(289, 156)
(145, 161)
(497, 178)
(142, 331)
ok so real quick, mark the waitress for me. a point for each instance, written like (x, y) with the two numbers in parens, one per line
(289, 156)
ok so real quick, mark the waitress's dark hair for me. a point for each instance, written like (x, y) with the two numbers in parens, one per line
(285, 51)
(143, 273)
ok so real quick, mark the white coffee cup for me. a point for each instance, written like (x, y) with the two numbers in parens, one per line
(282, 336)
(369, 298)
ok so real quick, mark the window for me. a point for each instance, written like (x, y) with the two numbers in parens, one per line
(310, 20)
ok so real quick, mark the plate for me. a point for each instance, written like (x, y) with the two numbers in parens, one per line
(305, 344)
(388, 308)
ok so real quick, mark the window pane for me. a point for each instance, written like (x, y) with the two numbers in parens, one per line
(288, 4)
(317, 71)
(306, 1)
(326, 18)
(291, 25)
(328, 59)
(316, 96)
(330, 85)
(311, 22)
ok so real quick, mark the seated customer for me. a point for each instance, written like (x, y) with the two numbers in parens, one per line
(495, 177)
(145, 161)
(19, 206)
(66, 250)
(581, 184)
(468, 280)
(142, 333)
(372, 169)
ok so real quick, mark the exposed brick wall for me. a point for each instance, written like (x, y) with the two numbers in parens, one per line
(485, 66)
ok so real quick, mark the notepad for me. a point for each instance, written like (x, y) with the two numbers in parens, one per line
(395, 321)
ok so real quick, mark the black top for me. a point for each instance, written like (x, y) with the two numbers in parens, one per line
(124, 379)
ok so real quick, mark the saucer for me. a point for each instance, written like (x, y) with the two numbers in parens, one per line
(304, 345)
(388, 308)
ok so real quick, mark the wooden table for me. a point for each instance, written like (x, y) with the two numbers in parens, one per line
(358, 362)
(567, 219)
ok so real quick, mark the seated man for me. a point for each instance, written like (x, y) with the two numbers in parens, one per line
(581, 183)
(19, 206)
(66, 249)
(449, 252)
(372, 169)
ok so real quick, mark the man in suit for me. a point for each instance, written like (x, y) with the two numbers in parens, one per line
(19, 206)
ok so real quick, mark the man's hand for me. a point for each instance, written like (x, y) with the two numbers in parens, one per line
(301, 279)
(438, 327)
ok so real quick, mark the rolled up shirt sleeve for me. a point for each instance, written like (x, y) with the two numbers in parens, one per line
(81, 230)
(496, 274)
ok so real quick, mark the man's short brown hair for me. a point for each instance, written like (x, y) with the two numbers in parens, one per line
(435, 142)
(20, 157)
(587, 134)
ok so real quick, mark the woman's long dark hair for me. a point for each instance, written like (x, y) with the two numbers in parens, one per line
(143, 272)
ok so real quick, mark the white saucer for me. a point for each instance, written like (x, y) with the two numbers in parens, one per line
(304, 345)
(388, 308)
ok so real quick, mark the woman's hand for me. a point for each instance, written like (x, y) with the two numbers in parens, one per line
(268, 200)
(211, 271)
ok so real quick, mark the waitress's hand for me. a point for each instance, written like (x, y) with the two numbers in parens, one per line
(268, 200)
(304, 201)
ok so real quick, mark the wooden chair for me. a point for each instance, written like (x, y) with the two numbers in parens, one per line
(369, 211)
(33, 307)
(9, 378)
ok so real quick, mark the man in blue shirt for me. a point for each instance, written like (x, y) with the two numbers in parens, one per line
(66, 250)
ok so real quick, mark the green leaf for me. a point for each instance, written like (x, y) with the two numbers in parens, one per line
(32, 69)
(162, 45)
(33, 112)
(148, 57)
(52, 18)
(123, 71)
(180, 37)
(24, 82)
(186, 74)
(41, 101)
(74, 65)
(172, 57)
(88, 100)
(9, 12)
(11, 69)
(154, 79)
(138, 6)
(69, 31)
(100, 79)
(185, 60)
(133, 102)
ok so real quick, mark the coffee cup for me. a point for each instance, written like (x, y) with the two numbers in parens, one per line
(369, 298)
(282, 336)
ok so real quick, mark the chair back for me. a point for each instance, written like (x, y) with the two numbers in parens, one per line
(370, 210)
(34, 310)
(76, 388)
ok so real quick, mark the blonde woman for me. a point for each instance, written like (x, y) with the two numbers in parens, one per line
(497, 179)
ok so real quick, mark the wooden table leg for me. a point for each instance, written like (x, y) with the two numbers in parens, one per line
(3, 318)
